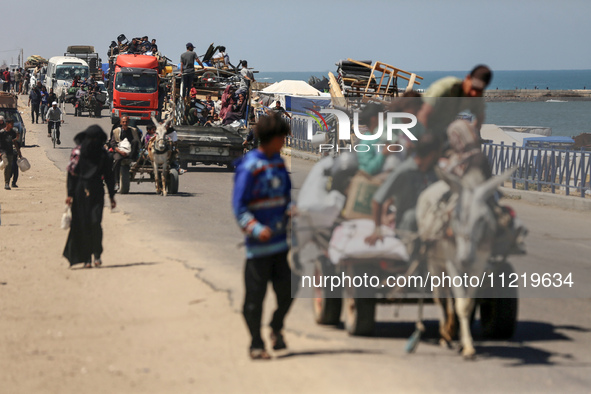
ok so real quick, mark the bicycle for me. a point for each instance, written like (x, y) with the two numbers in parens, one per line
(54, 131)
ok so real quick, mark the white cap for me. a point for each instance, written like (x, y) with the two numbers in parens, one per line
(54, 103)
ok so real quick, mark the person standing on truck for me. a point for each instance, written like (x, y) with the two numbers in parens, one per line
(188, 59)
(246, 76)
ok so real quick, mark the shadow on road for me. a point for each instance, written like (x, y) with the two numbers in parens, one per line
(526, 331)
(526, 355)
(179, 194)
(517, 350)
(404, 329)
(522, 354)
(327, 352)
(209, 169)
(81, 266)
(126, 265)
(530, 331)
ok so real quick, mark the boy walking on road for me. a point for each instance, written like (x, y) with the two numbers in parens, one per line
(261, 202)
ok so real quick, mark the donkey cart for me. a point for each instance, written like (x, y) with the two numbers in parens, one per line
(143, 171)
(354, 274)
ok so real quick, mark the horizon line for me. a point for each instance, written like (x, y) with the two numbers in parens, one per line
(541, 69)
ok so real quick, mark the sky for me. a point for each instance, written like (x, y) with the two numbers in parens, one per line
(418, 35)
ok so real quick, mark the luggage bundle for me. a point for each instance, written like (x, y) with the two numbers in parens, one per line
(8, 100)
(335, 200)
(35, 60)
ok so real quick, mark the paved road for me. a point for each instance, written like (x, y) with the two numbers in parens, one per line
(550, 351)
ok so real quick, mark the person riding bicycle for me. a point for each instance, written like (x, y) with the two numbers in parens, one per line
(54, 116)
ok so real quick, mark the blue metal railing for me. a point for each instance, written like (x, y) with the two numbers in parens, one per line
(567, 170)
(299, 134)
(556, 168)
(298, 138)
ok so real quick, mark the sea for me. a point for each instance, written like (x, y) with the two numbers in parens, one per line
(565, 116)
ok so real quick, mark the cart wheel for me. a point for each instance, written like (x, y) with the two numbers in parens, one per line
(360, 316)
(125, 180)
(173, 181)
(498, 316)
(327, 307)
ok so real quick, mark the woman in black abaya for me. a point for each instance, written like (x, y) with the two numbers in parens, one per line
(89, 167)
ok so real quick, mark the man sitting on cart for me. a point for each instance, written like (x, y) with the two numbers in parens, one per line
(404, 185)
(117, 135)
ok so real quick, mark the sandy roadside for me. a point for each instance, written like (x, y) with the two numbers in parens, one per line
(142, 323)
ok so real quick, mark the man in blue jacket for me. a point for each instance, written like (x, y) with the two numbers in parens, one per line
(261, 202)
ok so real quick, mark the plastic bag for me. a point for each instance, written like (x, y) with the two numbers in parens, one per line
(67, 218)
(23, 164)
(125, 146)
(3, 161)
(348, 242)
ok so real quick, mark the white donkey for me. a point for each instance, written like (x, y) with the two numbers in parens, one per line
(159, 152)
(464, 247)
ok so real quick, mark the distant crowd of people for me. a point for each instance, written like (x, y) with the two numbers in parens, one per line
(140, 46)
(16, 81)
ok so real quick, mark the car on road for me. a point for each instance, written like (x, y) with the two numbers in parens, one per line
(14, 114)
(9, 110)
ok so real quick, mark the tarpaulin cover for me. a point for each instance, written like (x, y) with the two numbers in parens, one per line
(300, 104)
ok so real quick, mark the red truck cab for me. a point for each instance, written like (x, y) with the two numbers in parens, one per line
(135, 88)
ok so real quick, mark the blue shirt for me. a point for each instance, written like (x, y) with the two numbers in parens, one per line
(261, 197)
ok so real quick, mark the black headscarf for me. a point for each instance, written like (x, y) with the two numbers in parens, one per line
(92, 151)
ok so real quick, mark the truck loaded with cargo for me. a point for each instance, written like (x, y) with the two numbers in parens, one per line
(133, 86)
(201, 141)
(87, 53)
